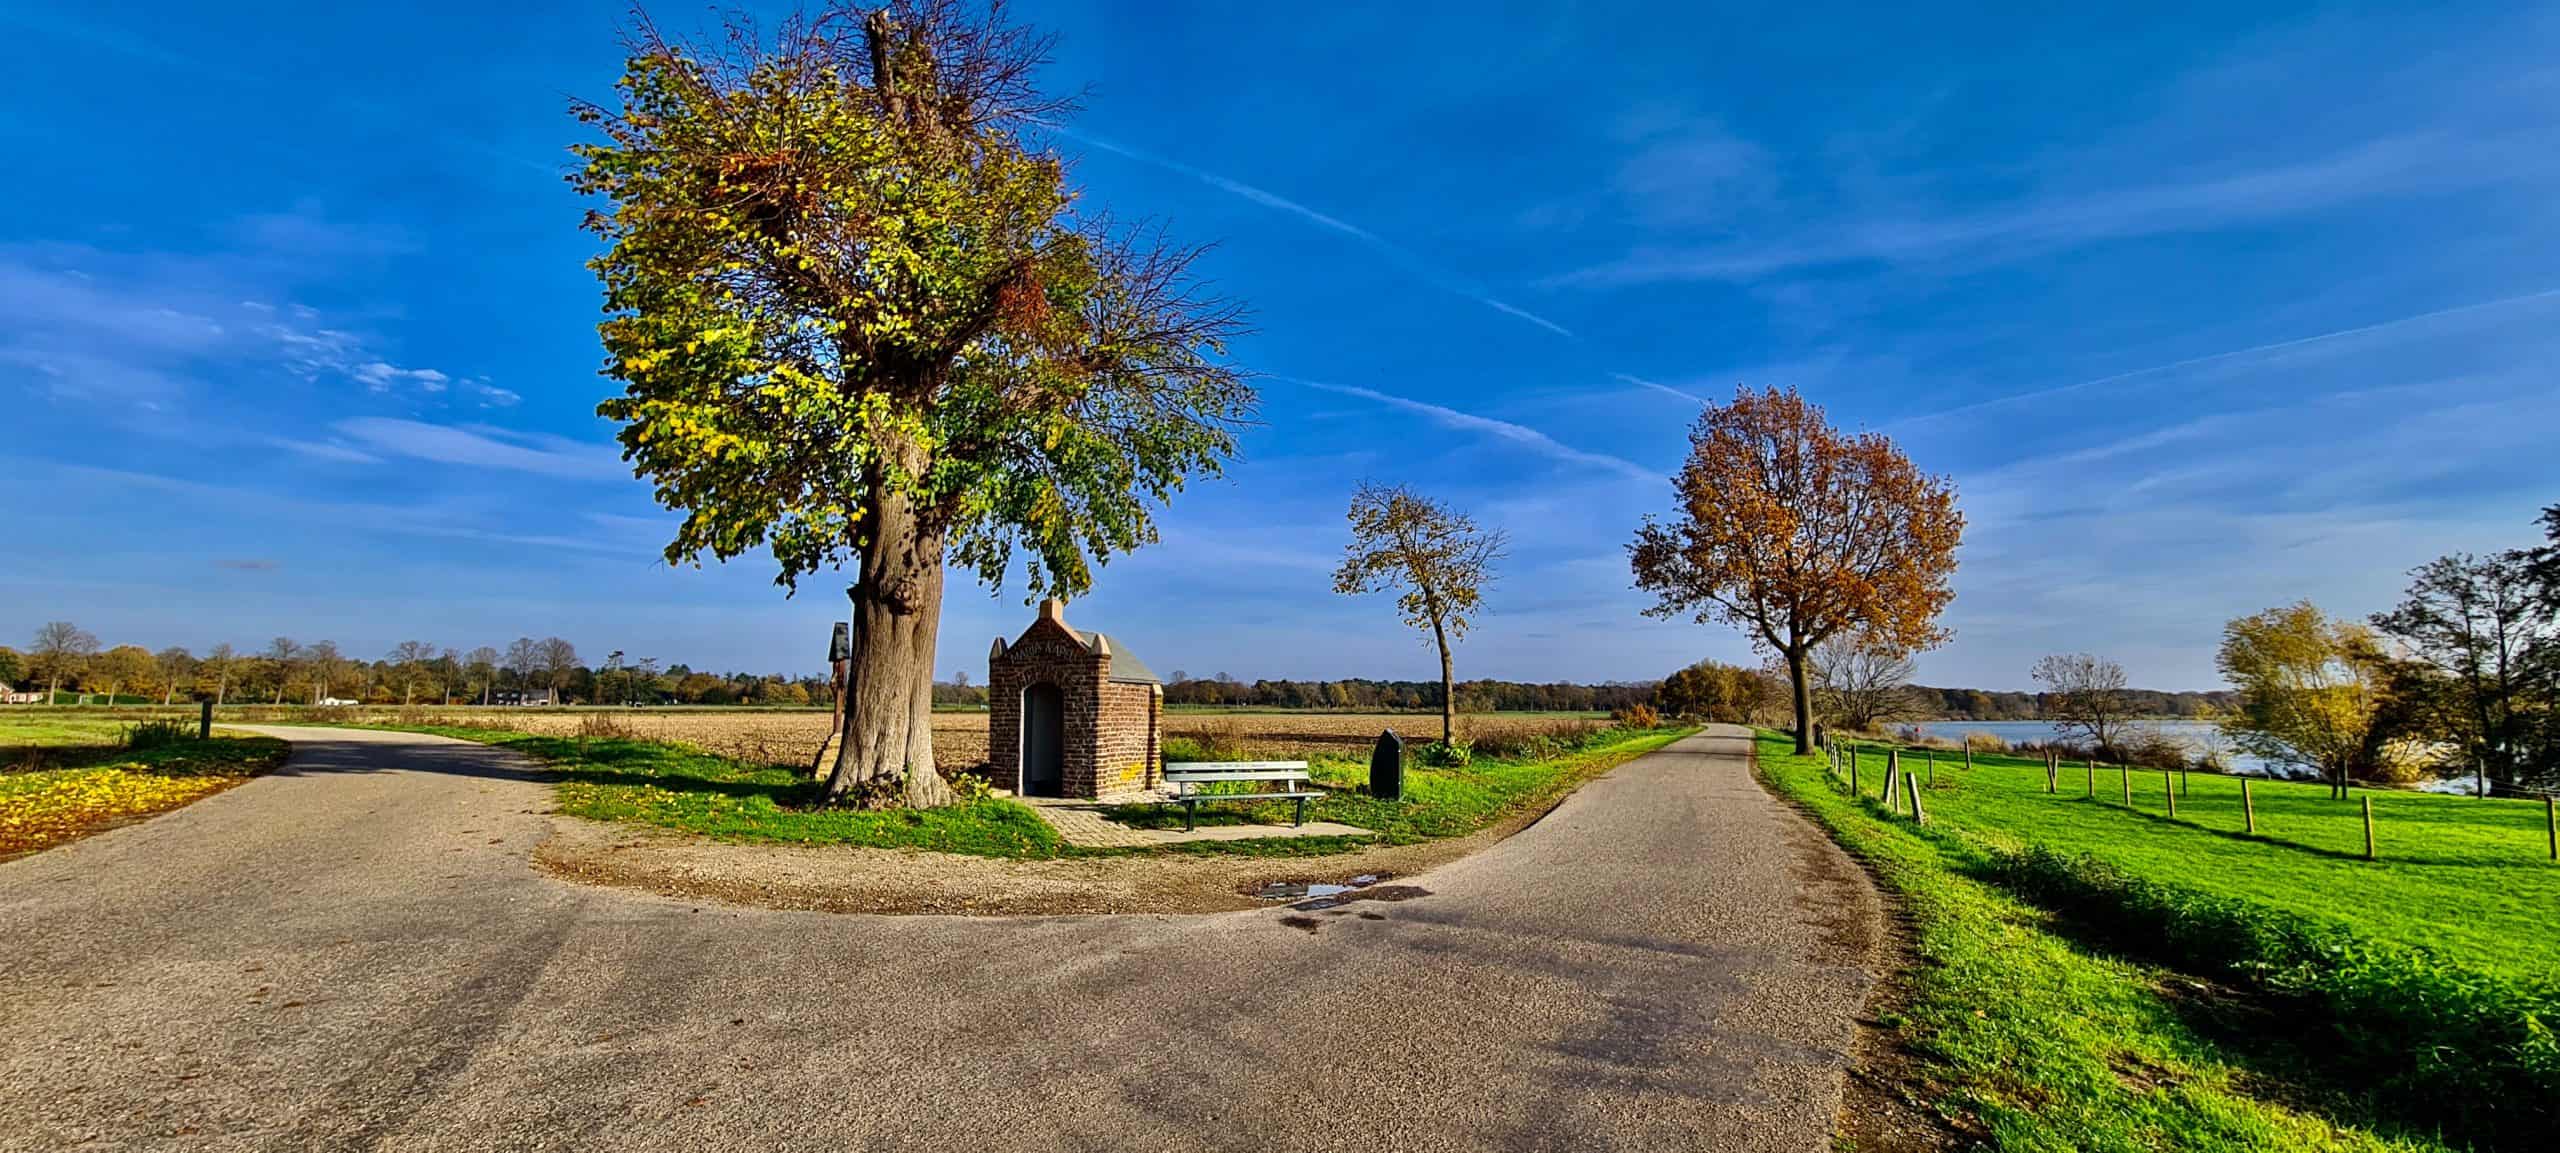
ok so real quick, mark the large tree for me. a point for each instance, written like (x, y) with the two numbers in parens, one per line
(62, 649)
(2085, 694)
(2311, 690)
(1434, 556)
(122, 667)
(1795, 533)
(859, 315)
(2491, 652)
(282, 657)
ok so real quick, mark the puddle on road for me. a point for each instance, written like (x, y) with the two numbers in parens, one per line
(1301, 890)
(1315, 896)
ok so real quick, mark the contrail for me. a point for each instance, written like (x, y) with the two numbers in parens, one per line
(1436, 277)
(2233, 354)
(1658, 387)
(1519, 434)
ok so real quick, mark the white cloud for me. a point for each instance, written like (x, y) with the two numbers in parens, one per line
(482, 446)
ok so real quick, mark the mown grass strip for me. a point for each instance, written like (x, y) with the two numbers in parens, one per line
(2028, 1041)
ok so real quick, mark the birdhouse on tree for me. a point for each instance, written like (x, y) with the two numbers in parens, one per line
(1071, 713)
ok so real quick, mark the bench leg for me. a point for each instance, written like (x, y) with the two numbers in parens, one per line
(1302, 811)
(1190, 810)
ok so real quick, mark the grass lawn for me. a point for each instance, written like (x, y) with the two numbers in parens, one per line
(2028, 1040)
(680, 787)
(1438, 802)
(65, 778)
(2469, 876)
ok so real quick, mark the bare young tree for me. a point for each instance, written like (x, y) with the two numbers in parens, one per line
(1860, 682)
(2085, 694)
(1435, 555)
(62, 649)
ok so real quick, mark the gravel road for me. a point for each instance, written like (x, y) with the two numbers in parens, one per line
(353, 953)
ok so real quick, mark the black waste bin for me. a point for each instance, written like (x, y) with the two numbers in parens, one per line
(1386, 767)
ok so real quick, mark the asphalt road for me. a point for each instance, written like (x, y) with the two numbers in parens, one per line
(354, 953)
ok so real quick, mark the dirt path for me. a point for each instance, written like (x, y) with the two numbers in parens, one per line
(355, 953)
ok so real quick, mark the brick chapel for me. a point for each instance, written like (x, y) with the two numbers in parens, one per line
(1072, 713)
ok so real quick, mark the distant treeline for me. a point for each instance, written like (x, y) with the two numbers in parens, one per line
(1357, 694)
(1986, 705)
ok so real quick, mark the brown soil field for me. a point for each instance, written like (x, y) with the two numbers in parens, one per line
(960, 739)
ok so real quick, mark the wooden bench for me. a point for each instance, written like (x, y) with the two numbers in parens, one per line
(1186, 777)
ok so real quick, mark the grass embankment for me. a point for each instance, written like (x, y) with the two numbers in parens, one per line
(2093, 978)
(679, 787)
(62, 779)
(2469, 876)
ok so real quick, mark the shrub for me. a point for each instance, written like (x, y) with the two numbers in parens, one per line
(2442, 1045)
(1447, 754)
(158, 734)
(1221, 743)
(1637, 716)
(1982, 742)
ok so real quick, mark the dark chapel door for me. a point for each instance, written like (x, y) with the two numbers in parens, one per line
(1044, 741)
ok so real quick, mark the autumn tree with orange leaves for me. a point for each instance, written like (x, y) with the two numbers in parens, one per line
(1794, 532)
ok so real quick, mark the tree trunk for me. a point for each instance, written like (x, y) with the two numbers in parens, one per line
(897, 612)
(1803, 692)
(1448, 687)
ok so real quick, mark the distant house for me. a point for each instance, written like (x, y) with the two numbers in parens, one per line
(10, 696)
(524, 697)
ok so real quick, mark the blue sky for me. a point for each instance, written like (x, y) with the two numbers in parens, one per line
(2204, 310)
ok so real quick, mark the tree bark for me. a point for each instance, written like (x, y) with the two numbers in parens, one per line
(897, 612)
(1448, 687)
(1803, 692)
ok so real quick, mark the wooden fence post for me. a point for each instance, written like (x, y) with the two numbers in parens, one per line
(2090, 769)
(2248, 811)
(1932, 756)
(2052, 774)
(1853, 771)
(2551, 821)
(1892, 769)
(2368, 828)
(1918, 816)
(2124, 779)
(204, 725)
(2169, 785)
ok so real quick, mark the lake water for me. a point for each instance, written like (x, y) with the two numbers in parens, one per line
(2195, 735)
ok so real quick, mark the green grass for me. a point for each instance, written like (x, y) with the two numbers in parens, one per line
(2469, 876)
(2032, 1042)
(1438, 802)
(679, 787)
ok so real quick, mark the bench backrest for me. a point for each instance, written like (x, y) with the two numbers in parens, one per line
(1188, 772)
